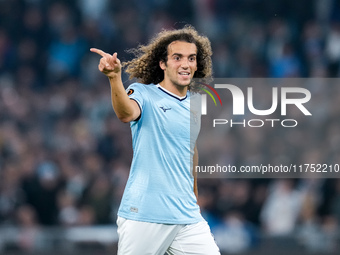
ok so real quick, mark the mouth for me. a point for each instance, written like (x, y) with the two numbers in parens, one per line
(184, 74)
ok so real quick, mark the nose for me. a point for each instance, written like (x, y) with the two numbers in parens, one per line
(185, 63)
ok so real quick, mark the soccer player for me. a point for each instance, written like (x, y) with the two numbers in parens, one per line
(159, 212)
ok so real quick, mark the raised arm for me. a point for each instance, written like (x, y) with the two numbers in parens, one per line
(125, 109)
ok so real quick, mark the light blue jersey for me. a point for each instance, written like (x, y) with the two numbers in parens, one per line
(160, 184)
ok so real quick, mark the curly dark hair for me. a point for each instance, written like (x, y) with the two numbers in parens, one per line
(145, 66)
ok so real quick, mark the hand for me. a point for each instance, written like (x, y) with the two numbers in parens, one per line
(109, 64)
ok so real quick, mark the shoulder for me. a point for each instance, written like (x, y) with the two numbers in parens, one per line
(194, 96)
(140, 92)
(141, 87)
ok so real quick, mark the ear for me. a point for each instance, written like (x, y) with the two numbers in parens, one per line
(162, 65)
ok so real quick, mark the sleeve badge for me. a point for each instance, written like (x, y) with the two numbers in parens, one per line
(130, 92)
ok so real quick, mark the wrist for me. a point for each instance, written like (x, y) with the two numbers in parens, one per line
(114, 76)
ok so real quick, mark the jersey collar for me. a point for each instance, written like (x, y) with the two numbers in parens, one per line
(171, 94)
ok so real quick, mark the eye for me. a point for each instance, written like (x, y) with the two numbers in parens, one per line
(191, 59)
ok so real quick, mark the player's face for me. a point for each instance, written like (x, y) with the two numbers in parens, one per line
(181, 64)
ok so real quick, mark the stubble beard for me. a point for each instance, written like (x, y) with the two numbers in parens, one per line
(179, 85)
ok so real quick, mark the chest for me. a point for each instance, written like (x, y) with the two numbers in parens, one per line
(173, 118)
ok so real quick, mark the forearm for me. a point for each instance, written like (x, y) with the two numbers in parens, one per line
(125, 109)
(123, 106)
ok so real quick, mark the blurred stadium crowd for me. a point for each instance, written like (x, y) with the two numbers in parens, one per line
(64, 156)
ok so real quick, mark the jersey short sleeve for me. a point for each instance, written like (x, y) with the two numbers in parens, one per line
(135, 92)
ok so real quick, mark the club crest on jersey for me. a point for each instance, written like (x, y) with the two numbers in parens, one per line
(130, 92)
(165, 109)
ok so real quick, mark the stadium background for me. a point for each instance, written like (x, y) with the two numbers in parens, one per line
(64, 156)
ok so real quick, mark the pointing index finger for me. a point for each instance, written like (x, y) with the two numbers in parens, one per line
(98, 51)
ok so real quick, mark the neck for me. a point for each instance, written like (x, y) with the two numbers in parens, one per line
(178, 90)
